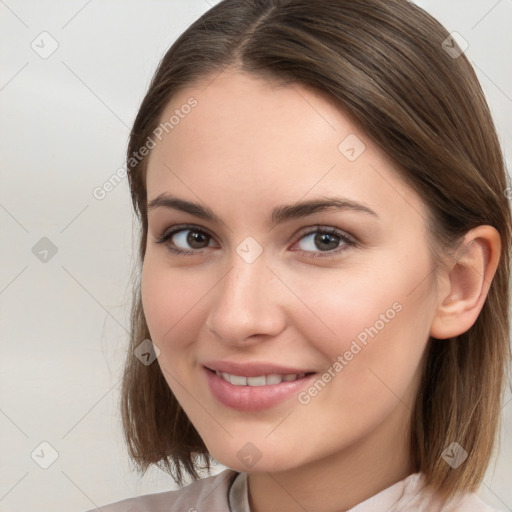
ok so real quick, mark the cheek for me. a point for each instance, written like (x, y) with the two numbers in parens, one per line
(163, 299)
(173, 302)
(371, 375)
(156, 299)
(378, 321)
(170, 303)
(347, 305)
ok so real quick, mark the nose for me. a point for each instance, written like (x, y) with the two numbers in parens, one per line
(246, 305)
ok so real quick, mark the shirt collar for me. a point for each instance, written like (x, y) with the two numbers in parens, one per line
(403, 491)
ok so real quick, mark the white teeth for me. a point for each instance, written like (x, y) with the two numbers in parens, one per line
(274, 379)
(256, 381)
(237, 380)
(261, 380)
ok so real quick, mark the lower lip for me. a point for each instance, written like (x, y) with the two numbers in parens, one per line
(253, 398)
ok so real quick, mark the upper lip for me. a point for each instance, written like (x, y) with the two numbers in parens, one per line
(253, 369)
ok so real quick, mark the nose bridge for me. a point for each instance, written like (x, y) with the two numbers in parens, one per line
(248, 270)
(245, 303)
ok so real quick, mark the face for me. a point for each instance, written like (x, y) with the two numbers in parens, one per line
(342, 293)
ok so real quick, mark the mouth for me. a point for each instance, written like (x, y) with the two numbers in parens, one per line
(259, 380)
(255, 393)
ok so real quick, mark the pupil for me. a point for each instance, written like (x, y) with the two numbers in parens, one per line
(195, 237)
(325, 238)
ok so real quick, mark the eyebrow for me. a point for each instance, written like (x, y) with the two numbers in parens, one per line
(279, 214)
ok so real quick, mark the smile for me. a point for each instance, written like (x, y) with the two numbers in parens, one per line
(255, 393)
(261, 380)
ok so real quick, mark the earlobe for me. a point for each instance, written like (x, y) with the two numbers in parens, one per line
(469, 276)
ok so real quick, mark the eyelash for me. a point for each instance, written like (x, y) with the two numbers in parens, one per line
(348, 241)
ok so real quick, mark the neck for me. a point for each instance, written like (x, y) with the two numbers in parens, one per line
(342, 480)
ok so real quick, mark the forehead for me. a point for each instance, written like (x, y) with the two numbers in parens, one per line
(265, 143)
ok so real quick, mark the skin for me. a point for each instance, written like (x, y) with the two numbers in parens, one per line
(247, 147)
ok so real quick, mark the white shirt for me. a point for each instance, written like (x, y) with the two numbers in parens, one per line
(228, 492)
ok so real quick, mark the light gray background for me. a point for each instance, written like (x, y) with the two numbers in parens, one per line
(63, 323)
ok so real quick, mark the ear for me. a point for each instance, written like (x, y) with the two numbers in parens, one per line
(468, 280)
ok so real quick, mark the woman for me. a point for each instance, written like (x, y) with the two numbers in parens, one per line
(325, 243)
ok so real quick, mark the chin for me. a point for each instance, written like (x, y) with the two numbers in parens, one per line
(249, 460)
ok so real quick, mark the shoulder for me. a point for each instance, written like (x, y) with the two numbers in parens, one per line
(208, 493)
(416, 497)
(470, 503)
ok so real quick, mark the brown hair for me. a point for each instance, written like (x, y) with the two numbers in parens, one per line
(386, 63)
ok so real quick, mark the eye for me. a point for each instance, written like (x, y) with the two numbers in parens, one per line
(189, 240)
(325, 239)
(181, 238)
